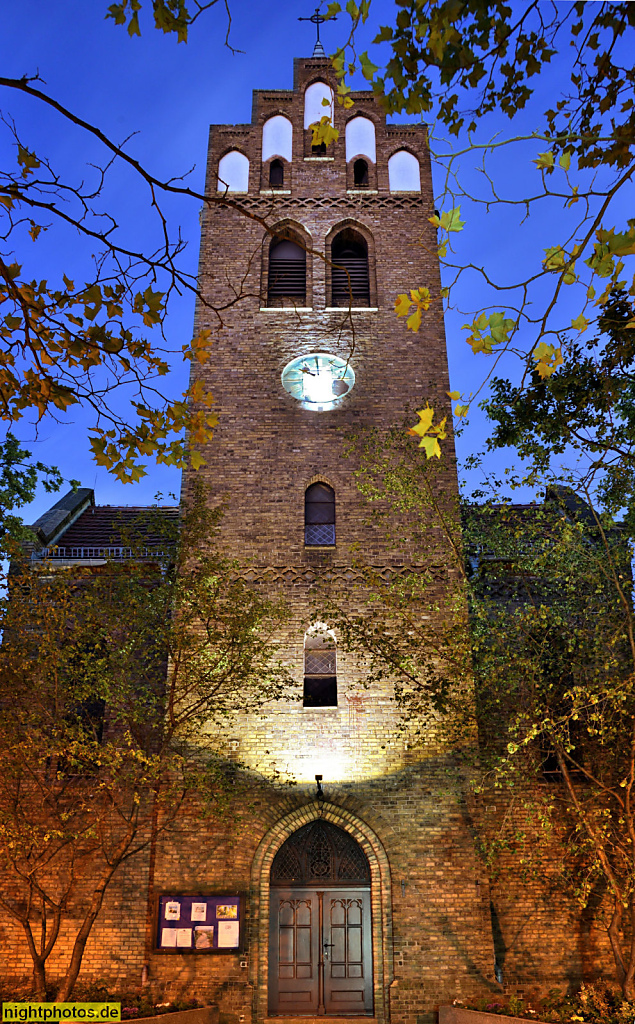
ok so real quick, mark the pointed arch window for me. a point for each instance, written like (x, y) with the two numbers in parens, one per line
(319, 515)
(314, 107)
(233, 172)
(277, 138)
(287, 273)
(320, 669)
(404, 173)
(360, 138)
(350, 279)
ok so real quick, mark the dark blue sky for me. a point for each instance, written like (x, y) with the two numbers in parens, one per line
(168, 94)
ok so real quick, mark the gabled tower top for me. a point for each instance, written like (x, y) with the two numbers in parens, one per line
(317, 19)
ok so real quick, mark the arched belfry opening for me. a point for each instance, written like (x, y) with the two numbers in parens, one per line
(320, 934)
(350, 277)
(286, 283)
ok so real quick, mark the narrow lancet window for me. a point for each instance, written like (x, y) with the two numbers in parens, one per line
(319, 516)
(276, 174)
(320, 670)
(360, 174)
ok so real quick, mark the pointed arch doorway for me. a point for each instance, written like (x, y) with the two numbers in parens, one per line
(320, 927)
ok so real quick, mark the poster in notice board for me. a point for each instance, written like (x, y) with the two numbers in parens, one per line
(199, 924)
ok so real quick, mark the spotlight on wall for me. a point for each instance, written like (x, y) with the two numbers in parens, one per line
(320, 791)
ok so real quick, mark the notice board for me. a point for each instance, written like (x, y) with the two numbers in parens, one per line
(195, 923)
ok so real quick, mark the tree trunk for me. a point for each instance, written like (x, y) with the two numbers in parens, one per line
(81, 938)
(614, 938)
(154, 829)
(39, 979)
(628, 985)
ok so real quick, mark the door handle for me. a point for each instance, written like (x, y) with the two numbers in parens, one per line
(327, 946)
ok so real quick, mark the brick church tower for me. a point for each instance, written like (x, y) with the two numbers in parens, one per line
(370, 902)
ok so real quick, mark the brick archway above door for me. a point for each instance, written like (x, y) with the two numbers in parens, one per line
(320, 933)
(380, 898)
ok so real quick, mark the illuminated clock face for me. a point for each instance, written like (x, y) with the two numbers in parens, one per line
(318, 380)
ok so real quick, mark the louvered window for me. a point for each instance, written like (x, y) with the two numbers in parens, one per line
(319, 515)
(320, 671)
(287, 273)
(350, 281)
(276, 173)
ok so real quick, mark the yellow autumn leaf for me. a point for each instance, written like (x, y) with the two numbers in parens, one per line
(414, 320)
(324, 132)
(440, 431)
(425, 421)
(402, 305)
(580, 323)
(453, 395)
(428, 433)
(548, 359)
(544, 161)
(431, 446)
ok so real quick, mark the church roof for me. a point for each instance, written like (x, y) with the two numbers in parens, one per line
(76, 529)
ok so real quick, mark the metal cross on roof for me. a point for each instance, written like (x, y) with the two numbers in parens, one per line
(317, 19)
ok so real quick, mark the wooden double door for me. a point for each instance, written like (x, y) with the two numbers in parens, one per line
(320, 952)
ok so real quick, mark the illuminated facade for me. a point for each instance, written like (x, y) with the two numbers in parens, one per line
(310, 351)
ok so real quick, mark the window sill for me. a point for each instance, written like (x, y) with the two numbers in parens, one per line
(286, 309)
(351, 309)
(275, 191)
(330, 707)
(320, 547)
(362, 192)
(322, 159)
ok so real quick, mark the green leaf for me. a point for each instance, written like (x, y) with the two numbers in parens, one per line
(367, 67)
(117, 13)
(27, 160)
(450, 220)
(133, 26)
(332, 11)
(384, 35)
